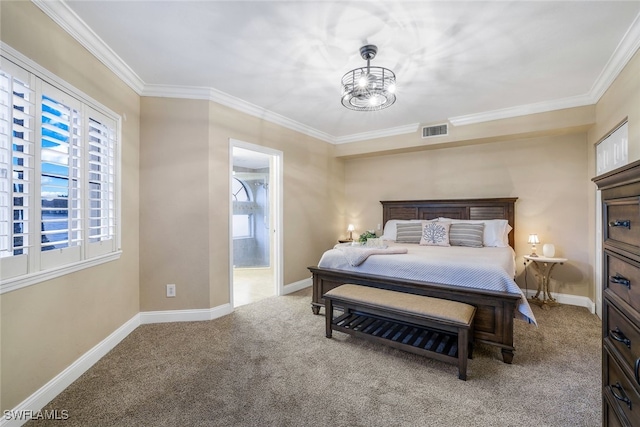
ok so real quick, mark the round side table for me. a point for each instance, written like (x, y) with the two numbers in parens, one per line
(543, 266)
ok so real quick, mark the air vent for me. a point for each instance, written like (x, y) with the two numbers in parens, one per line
(437, 130)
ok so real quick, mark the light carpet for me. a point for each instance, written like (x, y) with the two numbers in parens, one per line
(269, 364)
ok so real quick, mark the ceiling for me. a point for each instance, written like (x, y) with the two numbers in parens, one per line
(283, 60)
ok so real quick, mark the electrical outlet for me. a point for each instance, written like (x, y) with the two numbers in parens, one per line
(171, 291)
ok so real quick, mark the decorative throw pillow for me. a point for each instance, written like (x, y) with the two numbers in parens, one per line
(435, 233)
(465, 234)
(389, 231)
(496, 231)
(409, 232)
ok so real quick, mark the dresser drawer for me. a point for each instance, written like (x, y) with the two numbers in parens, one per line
(622, 335)
(622, 222)
(620, 391)
(622, 277)
(610, 417)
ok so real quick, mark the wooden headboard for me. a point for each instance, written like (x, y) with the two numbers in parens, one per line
(474, 209)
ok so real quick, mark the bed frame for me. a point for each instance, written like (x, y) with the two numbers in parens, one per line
(495, 310)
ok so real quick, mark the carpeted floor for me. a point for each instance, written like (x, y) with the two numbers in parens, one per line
(269, 364)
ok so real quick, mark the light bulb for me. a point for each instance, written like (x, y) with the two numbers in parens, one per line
(375, 100)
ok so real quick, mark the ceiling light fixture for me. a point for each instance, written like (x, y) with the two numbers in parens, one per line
(368, 88)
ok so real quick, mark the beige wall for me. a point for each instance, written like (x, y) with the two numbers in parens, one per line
(313, 193)
(174, 201)
(620, 101)
(185, 154)
(46, 327)
(547, 174)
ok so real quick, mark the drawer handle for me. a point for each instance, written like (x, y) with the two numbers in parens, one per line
(620, 280)
(622, 396)
(619, 336)
(636, 371)
(620, 223)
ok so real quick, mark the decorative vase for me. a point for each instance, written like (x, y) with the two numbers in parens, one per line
(548, 250)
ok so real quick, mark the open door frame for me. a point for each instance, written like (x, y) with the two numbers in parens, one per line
(275, 211)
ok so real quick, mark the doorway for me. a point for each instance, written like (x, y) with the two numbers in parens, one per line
(255, 217)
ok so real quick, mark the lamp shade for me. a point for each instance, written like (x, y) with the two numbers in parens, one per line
(533, 239)
(350, 229)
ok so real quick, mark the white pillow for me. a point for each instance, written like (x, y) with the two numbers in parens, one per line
(390, 230)
(505, 237)
(496, 231)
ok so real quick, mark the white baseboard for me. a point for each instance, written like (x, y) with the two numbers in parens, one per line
(147, 317)
(296, 286)
(569, 300)
(34, 403)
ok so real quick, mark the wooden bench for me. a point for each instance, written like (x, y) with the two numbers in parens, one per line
(432, 327)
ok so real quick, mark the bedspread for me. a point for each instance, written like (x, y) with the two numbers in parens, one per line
(480, 268)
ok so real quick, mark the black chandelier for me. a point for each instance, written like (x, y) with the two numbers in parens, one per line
(368, 88)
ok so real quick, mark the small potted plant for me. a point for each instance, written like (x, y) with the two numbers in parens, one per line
(367, 235)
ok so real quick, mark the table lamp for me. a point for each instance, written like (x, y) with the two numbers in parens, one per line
(350, 229)
(533, 239)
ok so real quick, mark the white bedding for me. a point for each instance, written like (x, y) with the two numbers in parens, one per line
(489, 268)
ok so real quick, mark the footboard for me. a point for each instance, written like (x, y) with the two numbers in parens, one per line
(494, 315)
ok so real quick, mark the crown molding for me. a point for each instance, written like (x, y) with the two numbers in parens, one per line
(211, 94)
(523, 110)
(400, 130)
(625, 50)
(60, 13)
(70, 22)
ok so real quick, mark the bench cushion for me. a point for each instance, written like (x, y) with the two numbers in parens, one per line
(415, 304)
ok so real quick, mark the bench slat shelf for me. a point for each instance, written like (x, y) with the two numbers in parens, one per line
(415, 338)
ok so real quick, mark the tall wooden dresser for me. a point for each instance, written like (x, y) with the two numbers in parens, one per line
(621, 295)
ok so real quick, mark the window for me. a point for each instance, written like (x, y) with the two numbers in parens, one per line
(58, 201)
(242, 224)
(612, 151)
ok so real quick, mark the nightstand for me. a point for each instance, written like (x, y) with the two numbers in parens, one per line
(543, 266)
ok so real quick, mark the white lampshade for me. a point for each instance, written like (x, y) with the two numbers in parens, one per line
(350, 229)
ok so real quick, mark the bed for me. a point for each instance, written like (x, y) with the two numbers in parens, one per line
(496, 307)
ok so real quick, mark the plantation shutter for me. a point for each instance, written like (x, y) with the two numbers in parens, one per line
(17, 125)
(101, 172)
(60, 178)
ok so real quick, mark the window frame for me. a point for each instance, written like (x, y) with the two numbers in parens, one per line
(35, 271)
(250, 216)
